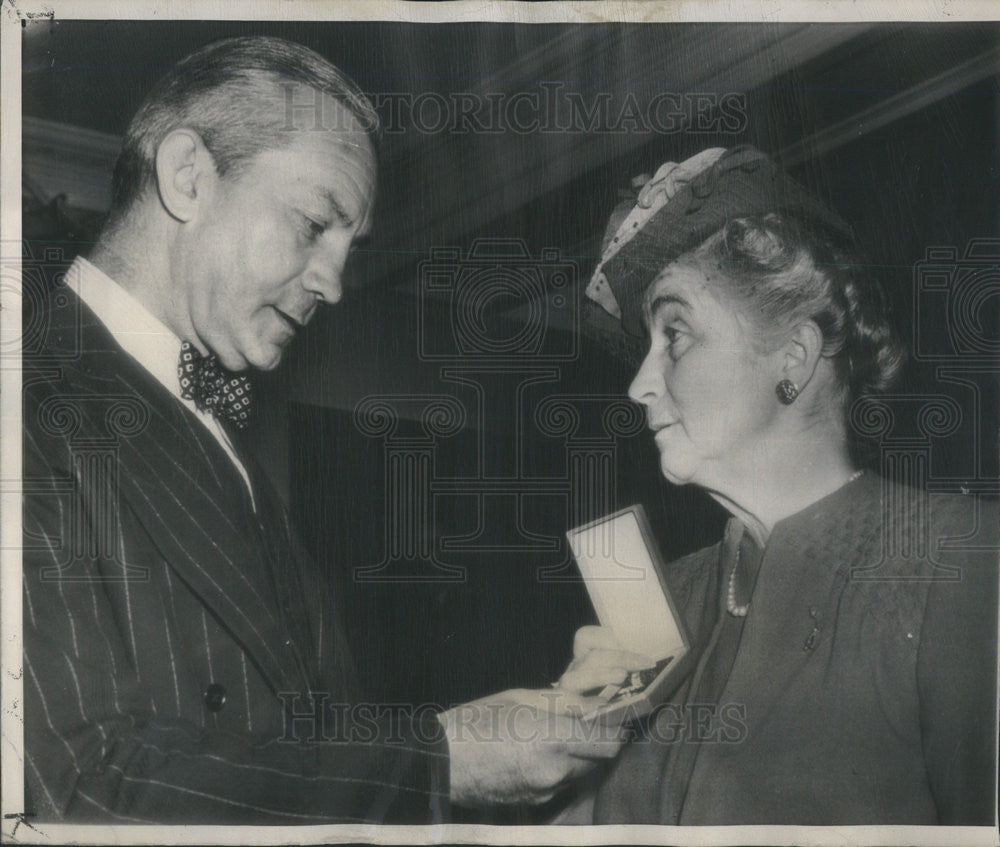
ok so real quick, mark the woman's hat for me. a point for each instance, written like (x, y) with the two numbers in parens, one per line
(681, 206)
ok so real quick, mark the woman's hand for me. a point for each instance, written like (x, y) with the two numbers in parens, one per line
(599, 660)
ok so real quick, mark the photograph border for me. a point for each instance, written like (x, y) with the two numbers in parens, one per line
(16, 827)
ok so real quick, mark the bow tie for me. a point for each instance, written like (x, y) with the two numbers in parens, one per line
(214, 389)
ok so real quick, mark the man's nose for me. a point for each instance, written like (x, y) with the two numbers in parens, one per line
(328, 287)
(647, 385)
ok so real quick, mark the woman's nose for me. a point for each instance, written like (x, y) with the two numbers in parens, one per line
(647, 385)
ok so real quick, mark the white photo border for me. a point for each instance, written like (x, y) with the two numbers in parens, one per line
(17, 828)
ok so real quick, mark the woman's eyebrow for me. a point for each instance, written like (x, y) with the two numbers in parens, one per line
(662, 300)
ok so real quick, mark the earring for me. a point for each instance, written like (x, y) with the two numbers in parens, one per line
(787, 391)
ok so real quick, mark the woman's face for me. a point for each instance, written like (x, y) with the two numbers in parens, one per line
(709, 394)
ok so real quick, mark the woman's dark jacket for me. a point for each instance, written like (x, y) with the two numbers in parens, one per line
(859, 689)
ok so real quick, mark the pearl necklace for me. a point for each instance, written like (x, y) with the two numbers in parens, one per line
(731, 607)
(741, 611)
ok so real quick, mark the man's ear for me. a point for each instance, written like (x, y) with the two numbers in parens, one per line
(802, 353)
(185, 171)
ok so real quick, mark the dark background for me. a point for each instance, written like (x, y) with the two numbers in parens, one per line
(896, 125)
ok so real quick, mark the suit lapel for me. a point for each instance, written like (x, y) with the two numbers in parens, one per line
(275, 537)
(190, 499)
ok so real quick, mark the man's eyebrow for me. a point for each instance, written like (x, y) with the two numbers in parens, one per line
(333, 204)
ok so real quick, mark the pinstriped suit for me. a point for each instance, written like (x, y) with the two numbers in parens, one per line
(167, 627)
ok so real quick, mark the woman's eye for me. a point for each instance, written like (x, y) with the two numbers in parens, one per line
(671, 335)
(674, 341)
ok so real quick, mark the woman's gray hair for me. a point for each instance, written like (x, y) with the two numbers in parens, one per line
(241, 95)
(784, 270)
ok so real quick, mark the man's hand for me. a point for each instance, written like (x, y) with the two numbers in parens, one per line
(523, 746)
(599, 660)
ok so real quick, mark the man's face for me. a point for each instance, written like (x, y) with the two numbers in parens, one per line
(271, 242)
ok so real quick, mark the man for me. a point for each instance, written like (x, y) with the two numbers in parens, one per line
(182, 660)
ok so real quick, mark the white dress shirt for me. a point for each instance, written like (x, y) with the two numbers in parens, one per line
(155, 347)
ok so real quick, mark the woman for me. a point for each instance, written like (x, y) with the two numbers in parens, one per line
(842, 675)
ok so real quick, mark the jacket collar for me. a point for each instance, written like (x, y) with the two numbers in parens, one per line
(807, 556)
(176, 479)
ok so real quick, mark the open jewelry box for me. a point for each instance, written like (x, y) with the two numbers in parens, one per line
(624, 573)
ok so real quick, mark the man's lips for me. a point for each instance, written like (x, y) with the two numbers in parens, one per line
(294, 325)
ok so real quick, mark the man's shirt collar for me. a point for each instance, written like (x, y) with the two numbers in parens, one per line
(146, 339)
(140, 333)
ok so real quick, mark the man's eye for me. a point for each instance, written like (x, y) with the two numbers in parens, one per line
(312, 229)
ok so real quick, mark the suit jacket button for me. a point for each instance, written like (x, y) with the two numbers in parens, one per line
(215, 697)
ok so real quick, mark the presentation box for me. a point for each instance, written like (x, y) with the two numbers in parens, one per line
(625, 577)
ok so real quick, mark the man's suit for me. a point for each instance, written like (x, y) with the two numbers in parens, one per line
(169, 628)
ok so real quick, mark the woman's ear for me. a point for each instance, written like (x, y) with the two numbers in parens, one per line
(802, 353)
(184, 171)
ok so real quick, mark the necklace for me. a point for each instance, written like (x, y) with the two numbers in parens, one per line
(731, 606)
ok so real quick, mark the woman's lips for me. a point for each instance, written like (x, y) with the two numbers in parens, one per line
(661, 429)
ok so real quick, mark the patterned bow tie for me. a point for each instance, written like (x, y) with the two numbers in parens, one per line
(214, 389)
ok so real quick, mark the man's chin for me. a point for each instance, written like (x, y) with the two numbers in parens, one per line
(265, 359)
(272, 354)
(267, 362)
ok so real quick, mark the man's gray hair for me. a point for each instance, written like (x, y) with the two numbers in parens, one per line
(241, 95)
